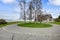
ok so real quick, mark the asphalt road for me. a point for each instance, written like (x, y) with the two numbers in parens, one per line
(13, 32)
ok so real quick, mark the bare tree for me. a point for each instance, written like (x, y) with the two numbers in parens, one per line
(22, 4)
(31, 10)
(37, 7)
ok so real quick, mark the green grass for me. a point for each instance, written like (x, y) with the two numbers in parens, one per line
(33, 25)
(8, 23)
(56, 23)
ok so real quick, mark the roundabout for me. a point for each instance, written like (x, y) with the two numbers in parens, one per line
(23, 33)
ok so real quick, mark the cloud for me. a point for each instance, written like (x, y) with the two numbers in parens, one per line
(8, 1)
(54, 2)
(17, 9)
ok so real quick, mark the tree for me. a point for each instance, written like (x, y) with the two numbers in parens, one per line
(2, 21)
(31, 10)
(22, 4)
(37, 7)
(59, 17)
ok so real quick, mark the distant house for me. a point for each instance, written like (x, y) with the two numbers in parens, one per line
(45, 18)
(49, 18)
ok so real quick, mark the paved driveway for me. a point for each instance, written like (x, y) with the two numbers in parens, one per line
(13, 32)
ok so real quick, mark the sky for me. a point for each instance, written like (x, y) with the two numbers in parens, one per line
(9, 9)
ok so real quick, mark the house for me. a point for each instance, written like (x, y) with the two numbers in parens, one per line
(45, 18)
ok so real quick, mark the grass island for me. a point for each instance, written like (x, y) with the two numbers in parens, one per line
(34, 25)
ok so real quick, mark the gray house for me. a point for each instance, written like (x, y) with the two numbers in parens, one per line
(49, 18)
(45, 18)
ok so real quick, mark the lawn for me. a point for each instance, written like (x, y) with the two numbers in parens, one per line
(33, 25)
(56, 23)
(8, 23)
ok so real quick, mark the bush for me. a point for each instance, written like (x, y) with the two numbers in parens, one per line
(2, 21)
(57, 20)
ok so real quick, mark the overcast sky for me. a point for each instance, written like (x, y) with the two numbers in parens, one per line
(9, 9)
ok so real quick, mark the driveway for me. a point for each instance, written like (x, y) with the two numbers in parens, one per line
(13, 32)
